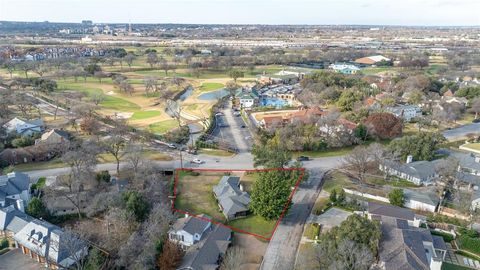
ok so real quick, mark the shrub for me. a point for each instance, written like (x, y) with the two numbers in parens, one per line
(103, 176)
(4, 243)
(446, 236)
(469, 243)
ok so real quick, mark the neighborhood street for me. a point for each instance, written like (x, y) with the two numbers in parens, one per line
(461, 132)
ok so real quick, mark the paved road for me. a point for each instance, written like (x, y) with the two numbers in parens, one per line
(282, 249)
(462, 131)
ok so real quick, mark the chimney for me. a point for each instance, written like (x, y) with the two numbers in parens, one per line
(477, 159)
(409, 159)
(20, 205)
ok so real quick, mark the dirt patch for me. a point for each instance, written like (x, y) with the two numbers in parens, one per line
(254, 249)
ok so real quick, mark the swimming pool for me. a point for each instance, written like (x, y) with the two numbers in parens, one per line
(273, 102)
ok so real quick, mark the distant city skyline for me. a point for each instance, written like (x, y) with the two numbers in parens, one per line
(313, 12)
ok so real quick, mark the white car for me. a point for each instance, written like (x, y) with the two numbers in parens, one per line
(171, 145)
(197, 161)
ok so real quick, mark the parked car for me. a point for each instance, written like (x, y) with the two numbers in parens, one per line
(192, 151)
(219, 114)
(236, 113)
(242, 126)
(171, 145)
(303, 158)
(197, 161)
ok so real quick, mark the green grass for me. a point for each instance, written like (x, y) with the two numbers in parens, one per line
(144, 115)
(337, 181)
(312, 231)
(254, 224)
(110, 102)
(450, 266)
(215, 152)
(163, 126)
(327, 153)
(40, 183)
(206, 87)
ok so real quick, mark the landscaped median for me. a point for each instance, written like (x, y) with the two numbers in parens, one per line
(225, 196)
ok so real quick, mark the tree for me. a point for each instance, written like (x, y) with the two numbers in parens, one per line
(421, 146)
(234, 259)
(270, 194)
(103, 176)
(271, 154)
(348, 99)
(475, 107)
(333, 196)
(129, 58)
(235, 74)
(37, 209)
(396, 197)
(358, 160)
(384, 125)
(152, 59)
(136, 204)
(114, 145)
(134, 156)
(171, 256)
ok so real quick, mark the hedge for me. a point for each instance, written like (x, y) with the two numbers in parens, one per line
(468, 243)
(446, 236)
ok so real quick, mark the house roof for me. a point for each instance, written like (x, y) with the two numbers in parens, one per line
(401, 246)
(419, 169)
(193, 225)
(230, 197)
(424, 196)
(390, 211)
(21, 126)
(370, 60)
(54, 132)
(205, 255)
(13, 183)
(466, 160)
(12, 219)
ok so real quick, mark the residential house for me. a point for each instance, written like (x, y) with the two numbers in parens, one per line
(40, 240)
(209, 252)
(406, 112)
(403, 246)
(468, 162)
(23, 127)
(189, 230)
(232, 200)
(282, 77)
(54, 137)
(423, 200)
(344, 68)
(459, 100)
(418, 172)
(270, 122)
(372, 60)
(15, 190)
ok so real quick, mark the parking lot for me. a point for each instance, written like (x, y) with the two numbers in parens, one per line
(232, 130)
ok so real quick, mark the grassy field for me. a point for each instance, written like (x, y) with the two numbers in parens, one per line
(254, 224)
(195, 194)
(206, 87)
(450, 266)
(163, 126)
(326, 153)
(144, 115)
(215, 152)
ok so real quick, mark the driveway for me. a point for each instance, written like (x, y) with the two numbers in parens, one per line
(15, 259)
(461, 132)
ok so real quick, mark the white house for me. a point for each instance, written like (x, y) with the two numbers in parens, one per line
(418, 172)
(344, 68)
(189, 230)
(248, 100)
(15, 190)
(407, 112)
(423, 200)
(23, 127)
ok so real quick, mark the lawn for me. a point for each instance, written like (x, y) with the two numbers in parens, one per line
(144, 115)
(147, 154)
(52, 164)
(206, 87)
(254, 224)
(449, 266)
(336, 180)
(473, 146)
(312, 231)
(215, 152)
(195, 194)
(163, 126)
(327, 153)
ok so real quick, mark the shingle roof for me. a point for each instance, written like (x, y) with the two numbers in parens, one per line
(390, 211)
(195, 225)
(12, 219)
(206, 255)
(229, 195)
(419, 169)
(13, 183)
(424, 196)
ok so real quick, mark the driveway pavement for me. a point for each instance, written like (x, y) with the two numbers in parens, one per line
(16, 260)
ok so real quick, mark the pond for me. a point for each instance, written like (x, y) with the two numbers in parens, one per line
(188, 92)
(214, 95)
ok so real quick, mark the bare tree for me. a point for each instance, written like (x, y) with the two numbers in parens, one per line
(129, 58)
(97, 98)
(475, 107)
(234, 259)
(358, 160)
(134, 156)
(352, 256)
(115, 145)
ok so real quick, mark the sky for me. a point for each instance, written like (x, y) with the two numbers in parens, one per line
(364, 12)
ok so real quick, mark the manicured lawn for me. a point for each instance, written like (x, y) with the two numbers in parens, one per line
(147, 154)
(163, 126)
(473, 146)
(312, 231)
(52, 164)
(195, 194)
(254, 224)
(449, 266)
(206, 87)
(336, 180)
(326, 153)
(215, 152)
(144, 115)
